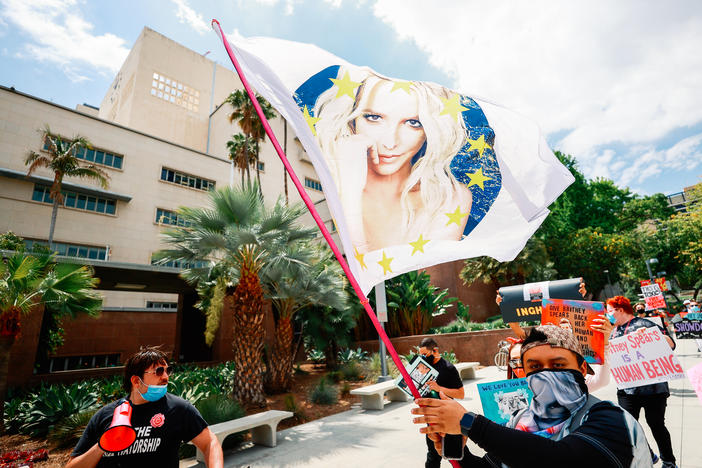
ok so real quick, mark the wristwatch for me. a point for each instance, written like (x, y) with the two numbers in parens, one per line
(467, 422)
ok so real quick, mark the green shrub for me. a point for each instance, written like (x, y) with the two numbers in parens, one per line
(352, 371)
(69, 430)
(324, 393)
(316, 356)
(349, 355)
(53, 403)
(345, 389)
(335, 376)
(462, 312)
(292, 406)
(220, 408)
(449, 356)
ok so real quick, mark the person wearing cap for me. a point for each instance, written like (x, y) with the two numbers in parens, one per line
(651, 398)
(161, 421)
(562, 426)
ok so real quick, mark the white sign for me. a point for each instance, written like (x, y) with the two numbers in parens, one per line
(643, 358)
(536, 292)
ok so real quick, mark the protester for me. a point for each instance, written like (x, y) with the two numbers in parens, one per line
(515, 370)
(640, 309)
(447, 382)
(651, 398)
(563, 425)
(161, 421)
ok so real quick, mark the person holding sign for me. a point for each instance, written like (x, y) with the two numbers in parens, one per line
(447, 382)
(651, 398)
(562, 426)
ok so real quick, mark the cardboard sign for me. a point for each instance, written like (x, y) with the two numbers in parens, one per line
(421, 373)
(695, 376)
(662, 283)
(523, 302)
(653, 296)
(503, 398)
(580, 315)
(643, 358)
(687, 329)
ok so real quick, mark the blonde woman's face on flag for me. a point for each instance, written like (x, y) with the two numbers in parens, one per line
(390, 122)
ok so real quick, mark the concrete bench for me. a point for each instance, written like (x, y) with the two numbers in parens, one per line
(262, 425)
(373, 396)
(466, 370)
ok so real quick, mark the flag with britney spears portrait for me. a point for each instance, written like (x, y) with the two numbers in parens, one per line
(415, 174)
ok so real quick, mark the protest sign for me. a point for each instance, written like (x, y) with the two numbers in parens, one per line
(580, 315)
(643, 358)
(688, 329)
(523, 302)
(421, 372)
(657, 320)
(503, 398)
(695, 376)
(662, 283)
(653, 296)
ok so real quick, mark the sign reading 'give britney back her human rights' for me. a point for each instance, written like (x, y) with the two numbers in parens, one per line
(643, 358)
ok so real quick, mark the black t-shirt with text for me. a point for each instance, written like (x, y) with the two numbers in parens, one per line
(160, 426)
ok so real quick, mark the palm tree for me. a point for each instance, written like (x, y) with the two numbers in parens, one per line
(245, 114)
(27, 280)
(242, 153)
(62, 160)
(313, 279)
(244, 238)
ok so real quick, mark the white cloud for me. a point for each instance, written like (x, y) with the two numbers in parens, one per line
(288, 5)
(599, 72)
(60, 35)
(188, 16)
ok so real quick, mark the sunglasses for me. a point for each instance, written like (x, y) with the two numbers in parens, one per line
(160, 370)
(515, 363)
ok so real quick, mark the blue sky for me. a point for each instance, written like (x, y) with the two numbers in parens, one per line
(615, 84)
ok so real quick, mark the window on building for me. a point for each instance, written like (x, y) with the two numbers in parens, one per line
(162, 305)
(313, 184)
(170, 217)
(94, 155)
(261, 166)
(174, 91)
(93, 361)
(181, 178)
(93, 252)
(42, 193)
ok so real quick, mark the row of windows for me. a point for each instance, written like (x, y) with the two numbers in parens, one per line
(162, 305)
(72, 250)
(313, 184)
(94, 155)
(170, 217)
(181, 178)
(79, 201)
(58, 364)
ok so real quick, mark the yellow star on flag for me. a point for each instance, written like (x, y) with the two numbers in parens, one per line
(418, 245)
(402, 85)
(456, 216)
(477, 178)
(311, 121)
(480, 144)
(385, 263)
(346, 86)
(452, 107)
(359, 258)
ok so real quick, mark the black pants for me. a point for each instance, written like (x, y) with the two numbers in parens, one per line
(654, 406)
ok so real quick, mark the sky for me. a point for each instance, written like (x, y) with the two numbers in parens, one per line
(618, 85)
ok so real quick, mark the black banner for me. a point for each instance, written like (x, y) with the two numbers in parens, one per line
(523, 302)
(688, 329)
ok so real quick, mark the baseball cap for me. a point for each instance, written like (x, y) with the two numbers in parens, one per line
(686, 301)
(556, 337)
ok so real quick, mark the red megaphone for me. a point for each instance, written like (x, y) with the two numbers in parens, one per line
(121, 435)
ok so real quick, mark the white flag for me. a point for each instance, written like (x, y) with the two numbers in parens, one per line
(415, 174)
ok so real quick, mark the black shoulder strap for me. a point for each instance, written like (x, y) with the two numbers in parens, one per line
(582, 412)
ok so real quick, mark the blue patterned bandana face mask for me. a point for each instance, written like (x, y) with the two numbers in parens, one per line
(611, 318)
(153, 392)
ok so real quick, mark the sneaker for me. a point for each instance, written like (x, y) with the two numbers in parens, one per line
(669, 465)
(654, 458)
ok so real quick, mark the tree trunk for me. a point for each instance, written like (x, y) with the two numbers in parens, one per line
(246, 158)
(52, 226)
(280, 369)
(285, 150)
(248, 339)
(5, 346)
(258, 173)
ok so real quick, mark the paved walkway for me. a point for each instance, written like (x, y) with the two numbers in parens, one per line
(368, 439)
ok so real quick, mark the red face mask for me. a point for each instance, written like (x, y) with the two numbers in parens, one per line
(519, 373)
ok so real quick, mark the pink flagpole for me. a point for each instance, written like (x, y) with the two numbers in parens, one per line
(310, 205)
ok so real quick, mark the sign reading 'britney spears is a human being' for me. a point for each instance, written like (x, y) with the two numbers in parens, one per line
(643, 358)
